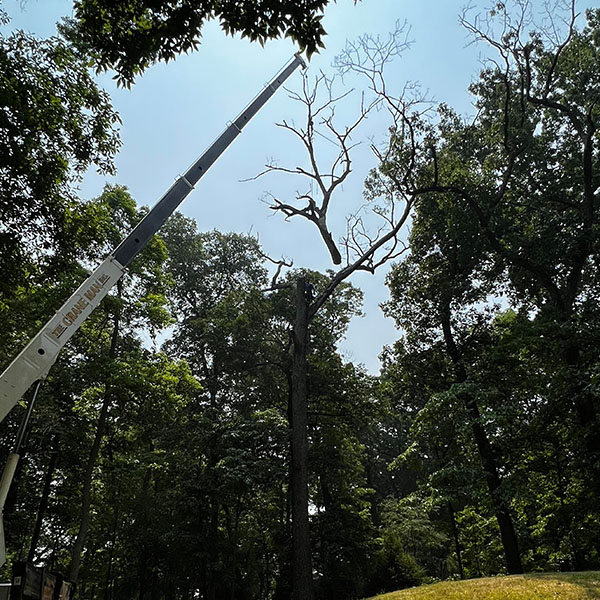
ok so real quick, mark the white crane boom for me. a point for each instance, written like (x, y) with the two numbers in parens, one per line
(34, 362)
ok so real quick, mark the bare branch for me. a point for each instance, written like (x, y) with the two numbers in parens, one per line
(517, 55)
(281, 263)
(374, 234)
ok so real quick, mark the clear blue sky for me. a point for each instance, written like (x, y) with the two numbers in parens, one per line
(175, 111)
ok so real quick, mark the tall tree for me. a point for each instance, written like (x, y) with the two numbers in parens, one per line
(544, 111)
(434, 291)
(136, 299)
(364, 250)
(520, 177)
(227, 331)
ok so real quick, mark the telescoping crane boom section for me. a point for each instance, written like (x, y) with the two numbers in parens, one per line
(34, 362)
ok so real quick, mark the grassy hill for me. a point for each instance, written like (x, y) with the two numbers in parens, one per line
(542, 586)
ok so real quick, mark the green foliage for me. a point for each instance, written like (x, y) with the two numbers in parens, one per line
(340, 405)
(497, 301)
(485, 411)
(129, 36)
(482, 550)
(393, 568)
(55, 123)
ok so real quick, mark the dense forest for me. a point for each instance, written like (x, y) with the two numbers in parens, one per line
(202, 437)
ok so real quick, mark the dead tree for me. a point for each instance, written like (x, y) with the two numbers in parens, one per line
(373, 235)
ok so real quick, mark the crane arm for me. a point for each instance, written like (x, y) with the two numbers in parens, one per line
(34, 362)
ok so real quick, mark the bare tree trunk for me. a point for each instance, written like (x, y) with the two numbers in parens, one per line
(143, 550)
(301, 553)
(213, 561)
(109, 584)
(43, 500)
(86, 493)
(461, 570)
(143, 570)
(484, 447)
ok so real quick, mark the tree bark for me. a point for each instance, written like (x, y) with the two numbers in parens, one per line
(43, 500)
(507, 531)
(109, 583)
(301, 552)
(143, 549)
(494, 482)
(86, 493)
(457, 547)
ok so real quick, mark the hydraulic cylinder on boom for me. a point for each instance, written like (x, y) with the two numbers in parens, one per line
(34, 362)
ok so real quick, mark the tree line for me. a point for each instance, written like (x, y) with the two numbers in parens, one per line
(243, 457)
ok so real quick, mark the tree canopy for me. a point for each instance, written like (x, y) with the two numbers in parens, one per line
(55, 122)
(161, 459)
(130, 36)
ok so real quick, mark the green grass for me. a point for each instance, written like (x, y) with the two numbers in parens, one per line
(535, 586)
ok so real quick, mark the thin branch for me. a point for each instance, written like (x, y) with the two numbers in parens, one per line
(281, 263)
